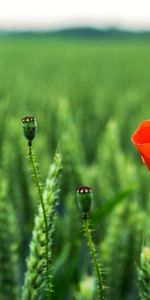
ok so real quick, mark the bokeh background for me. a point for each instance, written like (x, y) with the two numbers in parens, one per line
(83, 69)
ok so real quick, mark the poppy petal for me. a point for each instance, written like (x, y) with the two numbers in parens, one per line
(141, 140)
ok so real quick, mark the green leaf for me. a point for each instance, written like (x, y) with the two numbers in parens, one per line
(108, 207)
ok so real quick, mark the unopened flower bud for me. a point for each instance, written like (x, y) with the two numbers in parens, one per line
(84, 197)
(29, 127)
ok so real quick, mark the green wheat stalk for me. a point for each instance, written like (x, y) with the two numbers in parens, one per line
(9, 270)
(37, 271)
(37, 181)
(144, 274)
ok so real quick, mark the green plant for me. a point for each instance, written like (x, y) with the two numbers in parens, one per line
(144, 274)
(29, 127)
(9, 244)
(84, 196)
(89, 96)
(42, 265)
(35, 285)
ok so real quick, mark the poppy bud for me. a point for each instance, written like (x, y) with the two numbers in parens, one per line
(84, 197)
(29, 127)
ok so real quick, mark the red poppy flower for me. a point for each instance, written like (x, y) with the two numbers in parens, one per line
(141, 140)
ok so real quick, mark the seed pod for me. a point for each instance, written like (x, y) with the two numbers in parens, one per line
(29, 127)
(84, 197)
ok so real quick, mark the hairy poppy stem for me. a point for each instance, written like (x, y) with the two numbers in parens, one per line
(37, 181)
(94, 257)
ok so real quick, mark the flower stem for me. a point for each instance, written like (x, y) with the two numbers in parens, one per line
(94, 257)
(37, 181)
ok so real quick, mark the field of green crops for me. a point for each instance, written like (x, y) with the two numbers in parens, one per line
(88, 98)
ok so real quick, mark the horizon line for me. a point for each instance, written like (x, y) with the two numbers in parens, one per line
(61, 24)
(73, 26)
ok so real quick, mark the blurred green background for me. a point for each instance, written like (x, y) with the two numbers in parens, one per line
(88, 97)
